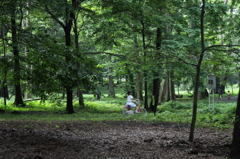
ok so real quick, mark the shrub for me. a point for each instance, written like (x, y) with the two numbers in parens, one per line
(172, 106)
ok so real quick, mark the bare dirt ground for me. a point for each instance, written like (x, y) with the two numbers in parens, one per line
(109, 140)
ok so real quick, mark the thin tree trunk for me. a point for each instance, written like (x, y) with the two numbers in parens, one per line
(139, 83)
(139, 86)
(79, 91)
(197, 78)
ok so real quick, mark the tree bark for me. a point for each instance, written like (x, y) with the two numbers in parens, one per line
(235, 147)
(111, 90)
(163, 94)
(79, 91)
(156, 79)
(18, 92)
(197, 77)
(139, 86)
(69, 88)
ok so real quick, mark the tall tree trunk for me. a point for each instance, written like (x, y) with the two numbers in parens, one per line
(18, 91)
(145, 71)
(197, 77)
(235, 147)
(156, 79)
(79, 91)
(69, 88)
(139, 83)
(5, 93)
(28, 85)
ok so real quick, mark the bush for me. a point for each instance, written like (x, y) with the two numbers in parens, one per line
(172, 106)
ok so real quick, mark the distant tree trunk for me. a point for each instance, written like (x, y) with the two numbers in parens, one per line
(4, 90)
(139, 83)
(163, 94)
(80, 98)
(167, 92)
(155, 95)
(235, 147)
(18, 92)
(111, 90)
(139, 86)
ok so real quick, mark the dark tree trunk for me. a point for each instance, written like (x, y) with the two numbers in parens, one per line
(69, 88)
(18, 92)
(156, 80)
(69, 107)
(235, 147)
(155, 93)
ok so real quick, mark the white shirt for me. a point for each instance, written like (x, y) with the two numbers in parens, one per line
(129, 101)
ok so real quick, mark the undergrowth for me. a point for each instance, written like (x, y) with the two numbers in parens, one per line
(221, 116)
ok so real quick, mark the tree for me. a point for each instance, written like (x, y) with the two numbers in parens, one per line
(15, 43)
(69, 17)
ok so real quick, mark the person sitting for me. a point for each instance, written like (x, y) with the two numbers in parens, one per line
(130, 99)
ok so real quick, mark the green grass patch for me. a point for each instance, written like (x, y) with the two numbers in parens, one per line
(109, 109)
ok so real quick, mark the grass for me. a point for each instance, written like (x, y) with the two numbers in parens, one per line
(221, 117)
(108, 109)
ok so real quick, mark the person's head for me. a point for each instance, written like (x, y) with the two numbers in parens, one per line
(129, 92)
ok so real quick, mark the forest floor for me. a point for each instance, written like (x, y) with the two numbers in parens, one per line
(109, 140)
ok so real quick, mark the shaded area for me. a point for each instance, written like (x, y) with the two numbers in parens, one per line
(47, 140)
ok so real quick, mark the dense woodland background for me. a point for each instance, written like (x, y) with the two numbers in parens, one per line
(70, 47)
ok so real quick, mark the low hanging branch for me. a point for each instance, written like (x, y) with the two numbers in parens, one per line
(213, 46)
(107, 53)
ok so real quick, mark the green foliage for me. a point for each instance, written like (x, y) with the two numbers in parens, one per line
(173, 106)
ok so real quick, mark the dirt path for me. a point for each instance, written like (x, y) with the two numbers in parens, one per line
(110, 140)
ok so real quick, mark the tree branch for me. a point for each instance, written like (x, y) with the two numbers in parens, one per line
(187, 62)
(208, 48)
(54, 17)
(107, 53)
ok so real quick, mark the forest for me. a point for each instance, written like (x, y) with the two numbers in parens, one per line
(66, 66)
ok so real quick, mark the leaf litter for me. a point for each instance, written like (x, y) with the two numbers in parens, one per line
(109, 140)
